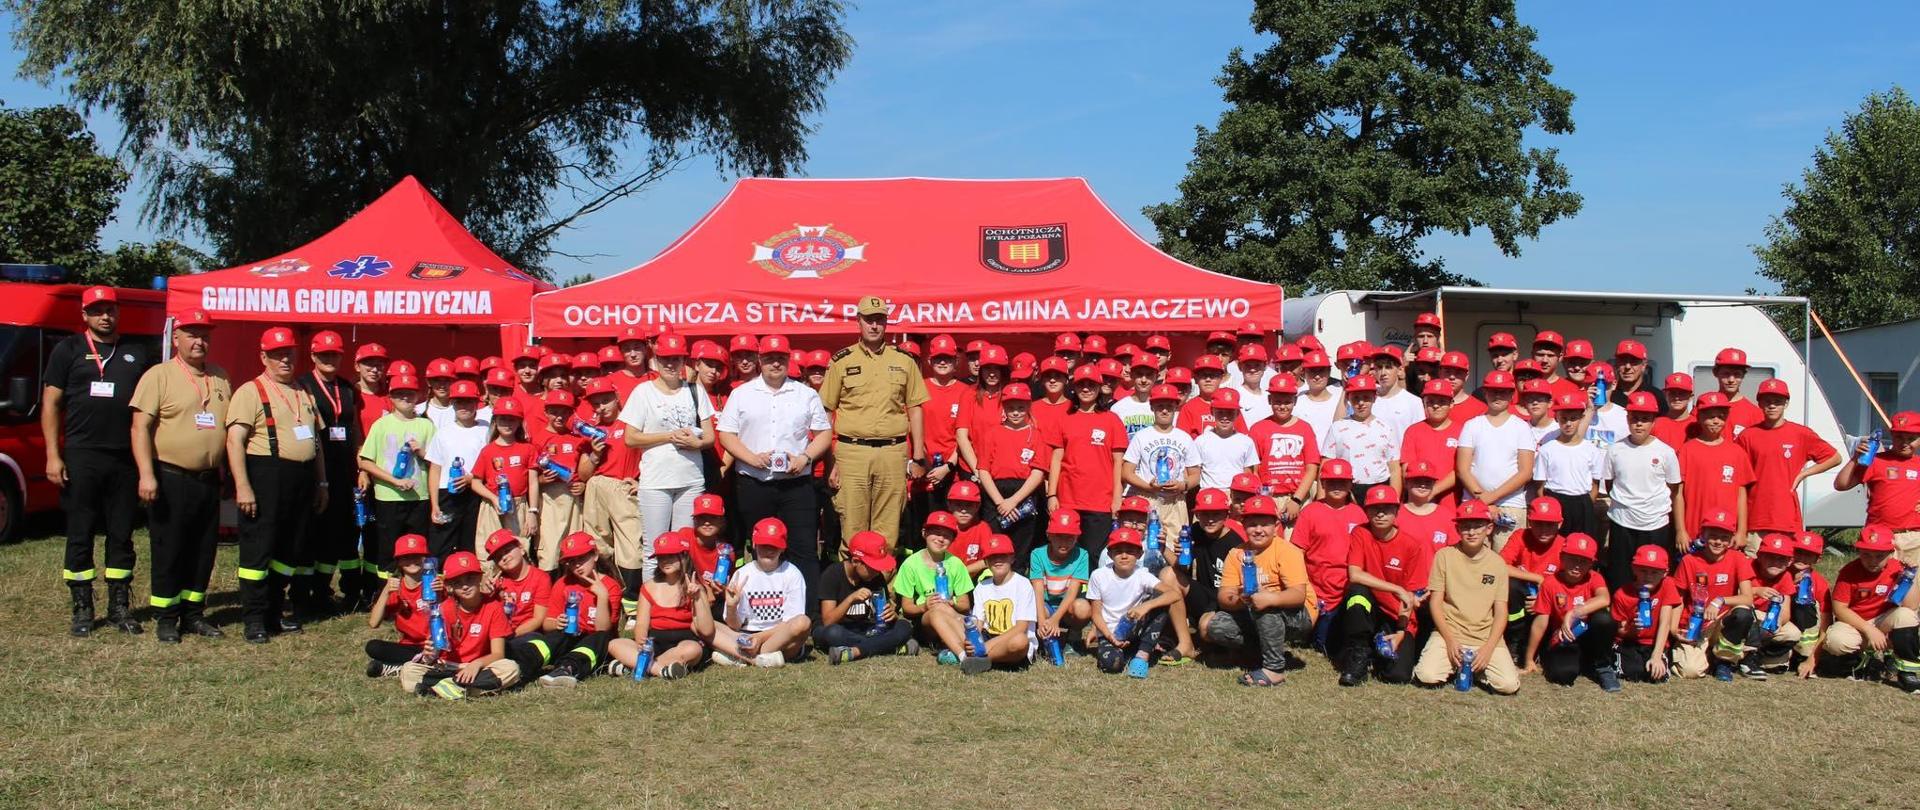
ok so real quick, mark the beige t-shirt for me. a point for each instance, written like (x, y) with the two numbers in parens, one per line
(295, 422)
(1468, 587)
(176, 397)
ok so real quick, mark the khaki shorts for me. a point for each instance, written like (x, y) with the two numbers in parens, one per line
(1906, 548)
(413, 672)
(1842, 639)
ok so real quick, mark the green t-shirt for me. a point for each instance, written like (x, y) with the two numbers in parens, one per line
(914, 581)
(384, 440)
(1061, 576)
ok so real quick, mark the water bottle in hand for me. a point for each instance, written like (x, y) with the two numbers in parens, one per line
(879, 608)
(503, 492)
(1249, 574)
(723, 564)
(642, 660)
(403, 462)
(360, 512)
(573, 613)
(1054, 654)
(1901, 586)
(1186, 546)
(1873, 448)
(588, 431)
(454, 474)
(1463, 681)
(941, 585)
(1644, 616)
(976, 643)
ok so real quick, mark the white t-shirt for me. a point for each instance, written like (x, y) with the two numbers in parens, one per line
(1223, 457)
(1116, 595)
(1254, 405)
(1609, 425)
(650, 410)
(1136, 415)
(1370, 446)
(768, 598)
(1544, 433)
(453, 441)
(1146, 448)
(1641, 475)
(1320, 415)
(1496, 452)
(1568, 469)
(996, 608)
(1401, 409)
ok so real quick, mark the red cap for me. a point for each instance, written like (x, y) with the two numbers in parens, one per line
(1066, 342)
(1209, 362)
(1497, 381)
(996, 544)
(491, 362)
(1776, 543)
(1252, 351)
(743, 343)
(1056, 364)
(1350, 352)
(994, 356)
(557, 399)
(1065, 521)
(1472, 509)
(1650, 557)
(670, 345)
(439, 368)
(1579, 349)
(1390, 351)
(1630, 348)
(1022, 366)
(1337, 469)
(1528, 366)
(709, 505)
(1502, 340)
(1544, 509)
(706, 350)
(466, 364)
(1906, 422)
(1382, 495)
(1145, 360)
(639, 333)
(463, 389)
(1260, 506)
(943, 520)
(1215, 500)
(1159, 342)
(1776, 387)
(407, 545)
(820, 358)
(1578, 544)
(1226, 399)
(1810, 542)
(1289, 353)
(1087, 374)
(1712, 399)
(278, 337)
(98, 295)
(1131, 503)
(775, 344)
(1643, 402)
(1125, 537)
(326, 340)
(1315, 359)
(553, 360)
(1679, 381)
(1426, 319)
(669, 544)
(1549, 338)
(1220, 337)
(586, 361)
(1094, 344)
(578, 544)
(500, 540)
(770, 532)
(1874, 537)
(368, 351)
(910, 346)
(1457, 360)
(1428, 354)
(1016, 392)
(1536, 386)
(599, 386)
(1363, 384)
(1283, 384)
(976, 346)
(1422, 469)
(1112, 369)
(964, 492)
(508, 406)
(1179, 375)
(1248, 329)
(1437, 388)
(1731, 357)
(609, 355)
(1601, 371)
(870, 549)
(459, 564)
(1569, 401)
(1163, 393)
(404, 382)
(499, 377)
(942, 346)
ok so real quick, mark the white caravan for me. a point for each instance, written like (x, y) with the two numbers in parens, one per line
(1681, 332)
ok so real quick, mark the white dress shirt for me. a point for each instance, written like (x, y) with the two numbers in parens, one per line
(770, 420)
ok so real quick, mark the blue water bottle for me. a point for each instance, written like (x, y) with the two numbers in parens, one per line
(503, 492)
(547, 464)
(429, 570)
(1578, 628)
(506, 606)
(940, 584)
(1124, 630)
(436, 624)
(1186, 546)
(360, 512)
(1151, 559)
(1873, 448)
(878, 625)
(976, 643)
(642, 660)
(1772, 620)
(723, 564)
(1533, 591)
(403, 462)
(1163, 470)
(1383, 647)
(1463, 681)
(588, 431)
(573, 613)
(1695, 621)
(1803, 595)
(1901, 586)
(1644, 617)
(1249, 574)
(1599, 392)
(1054, 654)
(454, 474)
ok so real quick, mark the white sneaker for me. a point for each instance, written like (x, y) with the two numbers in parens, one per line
(772, 659)
(726, 660)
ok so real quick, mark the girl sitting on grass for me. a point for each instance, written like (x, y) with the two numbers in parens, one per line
(673, 614)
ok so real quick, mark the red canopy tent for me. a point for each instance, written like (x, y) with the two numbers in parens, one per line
(402, 271)
(964, 256)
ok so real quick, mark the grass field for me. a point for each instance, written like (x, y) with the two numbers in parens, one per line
(124, 722)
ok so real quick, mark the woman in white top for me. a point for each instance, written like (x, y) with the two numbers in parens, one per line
(670, 423)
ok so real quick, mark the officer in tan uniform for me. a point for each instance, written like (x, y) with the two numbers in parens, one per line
(178, 409)
(279, 484)
(875, 392)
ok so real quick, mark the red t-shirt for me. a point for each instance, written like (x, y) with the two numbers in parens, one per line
(1626, 609)
(407, 606)
(620, 461)
(1558, 598)
(1404, 560)
(1742, 414)
(1789, 585)
(969, 544)
(557, 602)
(978, 414)
(1532, 556)
(472, 632)
(564, 449)
(1674, 432)
(523, 594)
(1323, 534)
(1868, 594)
(1893, 492)
(1091, 442)
(1466, 409)
(1713, 477)
(1702, 581)
(1436, 446)
(1285, 451)
(1776, 455)
(512, 460)
(1196, 417)
(1048, 414)
(1006, 452)
(1436, 526)
(1563, 386)
(940, 416)
(372, 407)
(705, 558)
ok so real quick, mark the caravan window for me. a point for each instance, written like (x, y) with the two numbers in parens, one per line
(1703, 380)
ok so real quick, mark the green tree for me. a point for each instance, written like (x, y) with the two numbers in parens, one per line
(135, 264)
(56, 189)
(1849, 239)
(266, 122)
(1368, 125)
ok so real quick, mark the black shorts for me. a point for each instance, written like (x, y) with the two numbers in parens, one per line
(664, 640)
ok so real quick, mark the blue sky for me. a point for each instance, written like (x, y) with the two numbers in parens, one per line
(1689, 117)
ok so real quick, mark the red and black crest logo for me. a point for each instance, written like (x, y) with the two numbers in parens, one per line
(432, 271)
(1024, 249)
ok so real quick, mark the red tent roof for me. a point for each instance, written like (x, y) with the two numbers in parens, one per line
(793, 256)
(402, 259)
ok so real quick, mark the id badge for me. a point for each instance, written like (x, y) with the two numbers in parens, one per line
(303, 432)
(337, 433)
(100, 388)
(204, 420)
(777, 462)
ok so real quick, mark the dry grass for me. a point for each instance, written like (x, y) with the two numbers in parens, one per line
(115, 721)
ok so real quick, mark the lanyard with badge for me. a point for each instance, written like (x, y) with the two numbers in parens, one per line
(301, 430)
(203, 418)
(335, 433)
(100, 387)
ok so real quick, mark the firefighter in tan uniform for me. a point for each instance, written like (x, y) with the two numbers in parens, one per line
(875, 392)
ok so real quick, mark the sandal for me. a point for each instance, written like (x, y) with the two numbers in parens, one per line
(1173, 659)
(1259, 677)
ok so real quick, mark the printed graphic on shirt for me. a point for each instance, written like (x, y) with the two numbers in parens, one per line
(766, 606)
(999, 614)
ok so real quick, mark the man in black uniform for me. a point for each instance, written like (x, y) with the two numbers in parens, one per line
(279, 484)
(89, 382)
(335, 535)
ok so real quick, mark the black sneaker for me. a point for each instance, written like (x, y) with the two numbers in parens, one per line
(561, 676)
(1608, 678)
(1909, 682)
(376, 669)
(1750, 668)
(840, 655)
(166, 632)
(1354, 672)
(285, 625)
(974, 665)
